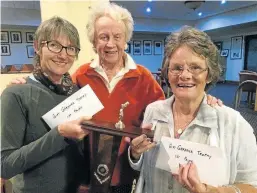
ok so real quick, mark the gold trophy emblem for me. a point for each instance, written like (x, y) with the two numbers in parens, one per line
(120, 125)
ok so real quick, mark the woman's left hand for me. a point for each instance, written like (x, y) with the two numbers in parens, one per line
(212, 101)
(188, 177)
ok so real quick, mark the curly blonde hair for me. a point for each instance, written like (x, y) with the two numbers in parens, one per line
(114, 11)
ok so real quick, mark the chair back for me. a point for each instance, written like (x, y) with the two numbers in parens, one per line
(244, 76)
(240, 88)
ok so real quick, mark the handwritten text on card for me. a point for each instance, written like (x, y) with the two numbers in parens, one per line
(82, 103)
(173, 152)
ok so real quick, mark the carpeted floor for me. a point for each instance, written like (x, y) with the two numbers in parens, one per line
(226, 92)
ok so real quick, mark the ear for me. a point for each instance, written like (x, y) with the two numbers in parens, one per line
(125, 46)
(208, 80)
(36, 47)
(94, 49)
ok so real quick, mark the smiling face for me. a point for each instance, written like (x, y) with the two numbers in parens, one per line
(55, 64)
(187, 86)
(109, 40)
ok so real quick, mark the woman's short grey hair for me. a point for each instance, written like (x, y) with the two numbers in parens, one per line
(201, 44)
(113, 11)
(53, 28)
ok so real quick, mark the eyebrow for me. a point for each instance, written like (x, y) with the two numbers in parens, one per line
(191, 64)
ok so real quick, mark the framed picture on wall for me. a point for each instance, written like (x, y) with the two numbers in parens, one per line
(147, 47)
(128, 50)
(224, 52)
(157, 47)
(137, 47)
(4, 37)
(236, 47)
(5, 50)
(15, 37)
(29, 37)
(30, 51)
(218, 45)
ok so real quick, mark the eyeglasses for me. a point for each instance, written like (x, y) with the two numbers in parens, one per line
(56, 47)
(195, 70)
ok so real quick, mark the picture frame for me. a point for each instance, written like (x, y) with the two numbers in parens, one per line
(15, 37)
(128, 50)
(5, 50)
(4, 37)
(147, 47)
(224, 52)
(30, 51)
(137, 47)
(218, 45)
(29, 37)
(236, 47)
(157, 47)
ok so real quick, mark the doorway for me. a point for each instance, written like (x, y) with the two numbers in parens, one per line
(250, 61)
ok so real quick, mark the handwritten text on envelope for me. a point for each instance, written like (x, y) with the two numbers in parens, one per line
(82, 103)
(209, 160)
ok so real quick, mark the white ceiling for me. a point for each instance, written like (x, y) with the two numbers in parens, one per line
(160, 9)
(177, 10)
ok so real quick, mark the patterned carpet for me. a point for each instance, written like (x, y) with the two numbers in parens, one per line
(226, 92)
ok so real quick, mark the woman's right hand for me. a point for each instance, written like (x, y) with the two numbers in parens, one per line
(140, 145)
(19, 80)
(73, 129)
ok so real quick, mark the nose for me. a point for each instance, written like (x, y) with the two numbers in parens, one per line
(185, 74)
(63, 53)
(110, 42)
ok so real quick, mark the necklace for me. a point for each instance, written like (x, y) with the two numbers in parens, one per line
(178, 127)
(179, 133)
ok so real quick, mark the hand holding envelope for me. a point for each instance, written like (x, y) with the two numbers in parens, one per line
(208, 160)
(189, 178)
(73, 129)
(82, 103)
(70, 114)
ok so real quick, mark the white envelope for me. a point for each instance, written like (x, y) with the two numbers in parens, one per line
(209, 160)
(84, 102)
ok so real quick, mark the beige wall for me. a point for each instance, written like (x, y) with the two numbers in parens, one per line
(5, 79)
(77, 13)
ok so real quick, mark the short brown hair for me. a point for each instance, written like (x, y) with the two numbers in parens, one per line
(54, 27)
(200, 43)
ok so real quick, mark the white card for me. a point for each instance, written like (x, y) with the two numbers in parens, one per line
(209, 160)
(84, 102)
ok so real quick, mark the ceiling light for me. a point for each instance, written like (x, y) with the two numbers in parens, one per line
(200, 13)
(148, 9)
(149, 0)
(193, 4)
(223, 1)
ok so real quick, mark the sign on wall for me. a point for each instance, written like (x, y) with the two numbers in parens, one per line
(236, 47)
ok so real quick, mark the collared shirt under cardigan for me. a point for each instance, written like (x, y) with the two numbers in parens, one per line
(135, 84)
(217, 126)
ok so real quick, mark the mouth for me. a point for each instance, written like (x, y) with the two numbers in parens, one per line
(185, 85)
(59, 63)
(111, 52)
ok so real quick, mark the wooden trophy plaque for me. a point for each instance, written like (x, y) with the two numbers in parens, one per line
(103, 161)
